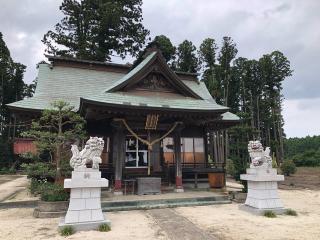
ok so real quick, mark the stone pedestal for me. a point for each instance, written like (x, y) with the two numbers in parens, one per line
(263, 190)
(84, 212)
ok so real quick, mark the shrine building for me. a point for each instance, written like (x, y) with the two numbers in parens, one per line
(154, 121)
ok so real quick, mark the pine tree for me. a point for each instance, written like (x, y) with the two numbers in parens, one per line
(55, 128)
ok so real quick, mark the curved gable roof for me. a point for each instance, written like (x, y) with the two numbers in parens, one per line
(142, 69)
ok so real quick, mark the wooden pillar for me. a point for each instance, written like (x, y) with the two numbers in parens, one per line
(177, 156)
(207, 144)
(155, 154)
(210, 145)
(119, 149)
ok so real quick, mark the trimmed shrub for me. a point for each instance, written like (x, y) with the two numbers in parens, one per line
(39, 170)
(67, 231)
(104, 228)
(291, 212)
(36, 185)
(269, 214)
(51, 192)
(288, 167)
(65, 168)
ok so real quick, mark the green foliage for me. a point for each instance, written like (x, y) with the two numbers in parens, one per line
(55, 128)
(288, 167)
(12, 87)
(67, 231)
(39, 170)
(37, 185)
(274, 163)
(303, 151)
(252, 90)
(65, 168)
(6, 154)
(96, 29)
(291, 212)
(104, 228)
(166, 47)
(230, 168)
(51, 192)
(269, 214)
(187, 60)
(207, 57)
(6, 170)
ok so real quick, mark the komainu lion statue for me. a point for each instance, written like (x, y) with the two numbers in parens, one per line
(258, 156)
(90, 154)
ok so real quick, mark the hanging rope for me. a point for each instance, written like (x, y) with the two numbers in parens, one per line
(143, 140)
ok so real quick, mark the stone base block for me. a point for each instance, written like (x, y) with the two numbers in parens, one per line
(179, 190)
(84, 226)
(257, 211)
(118, 193)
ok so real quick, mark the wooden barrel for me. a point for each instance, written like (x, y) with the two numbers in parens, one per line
(216, 180)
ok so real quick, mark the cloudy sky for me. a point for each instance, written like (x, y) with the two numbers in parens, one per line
(257, 26)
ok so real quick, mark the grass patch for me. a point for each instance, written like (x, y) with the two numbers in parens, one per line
(291, 212)
(66, 231)
(269, 214)
(104, 228)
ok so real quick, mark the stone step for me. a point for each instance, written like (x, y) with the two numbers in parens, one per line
(163, 203)
(39, 214)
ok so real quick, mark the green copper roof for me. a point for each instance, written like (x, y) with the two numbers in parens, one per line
(132, 72)
(156, 101)
(73, 84)
(67, 84)
(228, 116)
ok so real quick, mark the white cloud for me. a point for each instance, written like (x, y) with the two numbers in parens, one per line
(302, 117)
(258, 27)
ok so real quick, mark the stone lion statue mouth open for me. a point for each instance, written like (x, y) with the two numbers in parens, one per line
(91, 153)
(259, 157)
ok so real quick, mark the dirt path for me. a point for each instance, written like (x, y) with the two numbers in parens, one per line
(11, 184)
(178, 227)
(304, 178)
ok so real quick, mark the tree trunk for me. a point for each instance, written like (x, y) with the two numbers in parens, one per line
(258, 117)
(58, 150)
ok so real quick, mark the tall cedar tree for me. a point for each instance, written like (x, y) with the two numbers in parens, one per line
(251, 89)
(227, 54)
(187, 60)
(207, 58)
(55, 129)
(166, 47)
(96, 29)
(163, 44)
(12, 88)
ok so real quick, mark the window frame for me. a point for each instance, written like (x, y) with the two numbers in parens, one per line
(137, 153)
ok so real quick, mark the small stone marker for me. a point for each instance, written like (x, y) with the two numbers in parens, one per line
(84, 212)
(262, 182)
